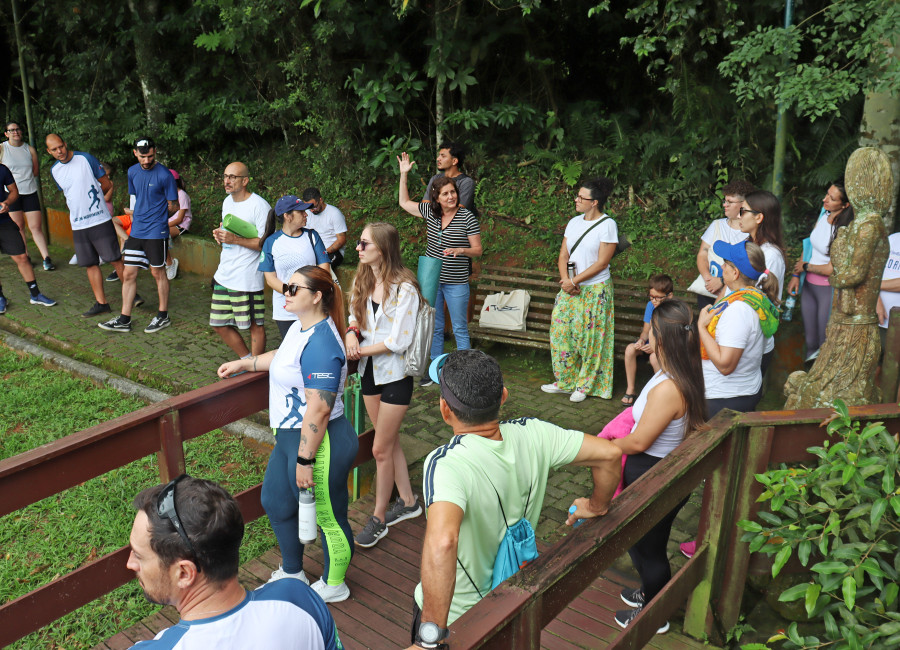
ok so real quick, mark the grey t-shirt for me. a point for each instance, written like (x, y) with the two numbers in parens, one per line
(465, 187)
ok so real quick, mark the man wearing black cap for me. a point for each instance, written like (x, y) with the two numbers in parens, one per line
(329, 222)
(489, 470)
(155, 195)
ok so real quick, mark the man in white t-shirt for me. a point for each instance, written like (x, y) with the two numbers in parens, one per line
(329, 222)
(727, 229)
(185, 552)
(889, 296)
(238, 301)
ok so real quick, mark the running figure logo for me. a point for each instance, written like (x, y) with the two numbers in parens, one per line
(295, 412)
(94, 194)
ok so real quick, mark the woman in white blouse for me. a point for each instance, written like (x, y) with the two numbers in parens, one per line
(384, 302)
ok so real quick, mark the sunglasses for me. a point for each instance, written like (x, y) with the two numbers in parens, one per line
(165, 508)
(362, 243)
(744, 211)
(291, 289)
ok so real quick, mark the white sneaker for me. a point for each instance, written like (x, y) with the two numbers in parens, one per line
(74, 260)
(331, 593)
(280, 573)
(813, 356)
(577, 396)
(172, 269)
(552, 388)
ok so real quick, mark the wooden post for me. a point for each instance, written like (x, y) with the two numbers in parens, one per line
(171, 447)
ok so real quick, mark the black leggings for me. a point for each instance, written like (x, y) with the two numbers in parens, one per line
(649, 553)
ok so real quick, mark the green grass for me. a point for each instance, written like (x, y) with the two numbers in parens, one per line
(65, 531)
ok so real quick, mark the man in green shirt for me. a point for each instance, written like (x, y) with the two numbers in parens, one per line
(486, 463)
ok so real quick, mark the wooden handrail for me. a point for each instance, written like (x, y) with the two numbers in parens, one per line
(160, 428)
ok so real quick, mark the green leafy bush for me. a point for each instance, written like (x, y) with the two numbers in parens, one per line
(843, 516)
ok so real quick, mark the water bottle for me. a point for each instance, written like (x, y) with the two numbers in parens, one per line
(307, 516)
(578, 522)
(570, 269)
(789, 304)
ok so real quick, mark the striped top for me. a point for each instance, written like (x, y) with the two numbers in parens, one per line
(454, 270)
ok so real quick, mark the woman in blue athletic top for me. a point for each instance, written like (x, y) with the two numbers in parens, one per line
(314, 443)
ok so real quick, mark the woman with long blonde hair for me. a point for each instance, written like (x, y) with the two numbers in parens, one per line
(384, 302)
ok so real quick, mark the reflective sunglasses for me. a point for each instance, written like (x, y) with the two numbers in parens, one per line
(165, 508)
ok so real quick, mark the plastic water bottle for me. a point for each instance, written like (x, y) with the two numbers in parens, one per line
(578, 522)
(788, 312)
(307, 516)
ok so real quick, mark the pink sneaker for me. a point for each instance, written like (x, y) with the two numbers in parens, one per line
(688, 549)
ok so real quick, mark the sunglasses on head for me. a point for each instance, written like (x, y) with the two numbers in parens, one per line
(291, 289)
(165, 508)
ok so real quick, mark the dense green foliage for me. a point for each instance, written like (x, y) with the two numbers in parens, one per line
(843, 516)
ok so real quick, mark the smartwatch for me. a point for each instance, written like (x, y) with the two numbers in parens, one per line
(305, 462)
(806, 266)
(430, 635)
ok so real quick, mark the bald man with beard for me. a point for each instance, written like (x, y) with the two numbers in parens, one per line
(238, 301)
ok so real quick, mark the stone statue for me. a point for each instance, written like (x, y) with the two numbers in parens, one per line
(845, 367)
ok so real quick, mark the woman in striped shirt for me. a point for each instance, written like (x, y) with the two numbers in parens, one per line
(454, 237)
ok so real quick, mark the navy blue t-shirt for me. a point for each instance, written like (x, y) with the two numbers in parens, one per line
(152, 189)
(6, 178)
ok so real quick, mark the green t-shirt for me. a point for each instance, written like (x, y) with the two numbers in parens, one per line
(462, 472)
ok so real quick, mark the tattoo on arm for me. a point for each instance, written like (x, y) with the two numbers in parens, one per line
(327, 396)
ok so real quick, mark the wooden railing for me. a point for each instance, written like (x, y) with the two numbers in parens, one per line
(711, 583)
(162, 429)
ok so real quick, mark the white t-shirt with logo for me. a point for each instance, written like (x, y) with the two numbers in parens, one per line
(78, 181)
(891, 272)
(283, 254)
(308, 358)
(586, 253)
(237, 264)
(329, 223)
(738, 327)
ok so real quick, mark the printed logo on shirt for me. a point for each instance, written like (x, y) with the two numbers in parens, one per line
(94, 196)
(320, 375)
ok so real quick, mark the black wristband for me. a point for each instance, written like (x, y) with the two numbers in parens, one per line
(305, 462)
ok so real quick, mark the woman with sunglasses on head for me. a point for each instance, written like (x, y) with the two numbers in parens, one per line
(671, 406)
(581, 326)
(384, 302)
(760, 216)
(315, 445)
(286, 250)
(815, 301)
(454, 237)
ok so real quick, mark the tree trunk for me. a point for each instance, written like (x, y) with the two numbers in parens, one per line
(440, 82)
(146, 15)
(881, 128)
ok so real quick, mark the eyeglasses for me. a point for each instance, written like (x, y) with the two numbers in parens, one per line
(165, 508)
(362, 243)
(13, 130)
(733, 202)
(291, 289)
(232, 177)
(657, 299)
(578, 197)
(744, 211)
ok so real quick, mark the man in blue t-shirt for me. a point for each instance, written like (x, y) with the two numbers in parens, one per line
(155, 198)
(12, 244)
(185, 545)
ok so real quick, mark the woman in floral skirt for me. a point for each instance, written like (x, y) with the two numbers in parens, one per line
(581, 330)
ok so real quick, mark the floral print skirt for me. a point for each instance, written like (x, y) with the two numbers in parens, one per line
(581, 340)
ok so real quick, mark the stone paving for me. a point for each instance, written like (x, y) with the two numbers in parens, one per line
(185, 356)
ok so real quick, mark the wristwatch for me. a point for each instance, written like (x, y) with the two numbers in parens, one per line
(306, 462)
(430, 635)
(806, 266)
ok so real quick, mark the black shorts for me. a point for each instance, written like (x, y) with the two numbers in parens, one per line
(26, 203)
(96, 243)
(11, 242)
(144, 253)
(397, 392)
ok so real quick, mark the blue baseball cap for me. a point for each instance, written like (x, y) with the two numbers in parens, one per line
(737, 255)
(434, 370)
(290, 202)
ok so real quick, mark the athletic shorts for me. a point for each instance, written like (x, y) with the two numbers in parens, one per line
(11, 242)
(26, 203)
(397, 392)
(237, 309)
(144, 253)
(96, 243)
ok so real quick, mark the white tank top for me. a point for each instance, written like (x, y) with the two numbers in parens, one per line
(672, 435)
(18, 159)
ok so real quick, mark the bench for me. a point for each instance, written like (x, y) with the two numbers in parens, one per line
(629, 298)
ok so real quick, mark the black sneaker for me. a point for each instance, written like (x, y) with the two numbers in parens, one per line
(425, 382)
(157, 324)
(138, 301)
(112, 277)
(374, 530)
(49, 265)
(632, 597)
(398, 511)
(625, 616)
(97, 309)
(115, 325)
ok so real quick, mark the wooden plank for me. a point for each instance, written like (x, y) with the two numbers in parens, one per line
(138, 632)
